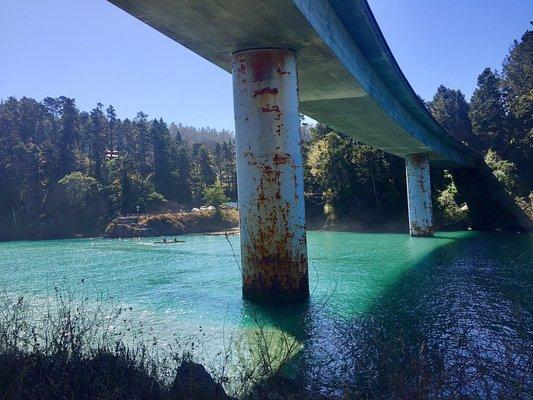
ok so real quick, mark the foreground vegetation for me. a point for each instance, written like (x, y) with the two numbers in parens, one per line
(84, 348)
(71, 349)
(65, 171)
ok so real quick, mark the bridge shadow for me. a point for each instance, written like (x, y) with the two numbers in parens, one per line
(457, 321)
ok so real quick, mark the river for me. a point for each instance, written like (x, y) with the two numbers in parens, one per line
(387, 312)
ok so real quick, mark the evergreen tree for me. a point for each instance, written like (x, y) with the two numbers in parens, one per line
(141, 142)
(487, 112)
(68, 135)
(518, 89)
(450, 109)
(163, 165)
(111, 127)
(182, 174)
(97, 140)
(203, 174)
(229, 168)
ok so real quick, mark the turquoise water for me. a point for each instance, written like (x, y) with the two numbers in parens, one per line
(438, 293)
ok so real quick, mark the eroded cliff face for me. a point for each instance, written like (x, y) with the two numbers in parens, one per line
(170, 224)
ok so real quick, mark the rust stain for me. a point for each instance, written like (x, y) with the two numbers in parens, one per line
(262, 64)
(281, 159)
(280, 72)
(267, 90)
(241, 69)
(269, 108)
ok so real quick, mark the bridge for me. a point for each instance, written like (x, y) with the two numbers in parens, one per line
(329, 59)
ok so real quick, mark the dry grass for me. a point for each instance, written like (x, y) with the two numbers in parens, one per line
(193, 222)
(76, 349)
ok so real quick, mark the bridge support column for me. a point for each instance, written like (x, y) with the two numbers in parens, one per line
(419, 195)
(270, 175)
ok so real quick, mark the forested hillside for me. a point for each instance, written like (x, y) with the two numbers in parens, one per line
(64, 171)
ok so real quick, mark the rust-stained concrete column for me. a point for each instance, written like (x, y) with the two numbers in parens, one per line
(270, 175)
(419, 195)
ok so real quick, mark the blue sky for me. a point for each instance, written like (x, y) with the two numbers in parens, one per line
(95, 52)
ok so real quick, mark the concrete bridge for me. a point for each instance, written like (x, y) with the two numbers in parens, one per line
(327, 58)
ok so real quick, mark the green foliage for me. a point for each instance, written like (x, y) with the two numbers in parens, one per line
(214, 195)
(356, 181)
(78, 203)
(80, 189)
(203, 173)
(487, 111)
(155, 200)
(450, 109)
(450, 214)
(501, 113)
(503, 170)
(518, 90)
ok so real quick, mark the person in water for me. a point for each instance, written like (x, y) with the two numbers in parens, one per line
(164, 240)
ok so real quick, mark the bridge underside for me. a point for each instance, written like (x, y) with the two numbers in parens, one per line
(348, 78)
(328, 58)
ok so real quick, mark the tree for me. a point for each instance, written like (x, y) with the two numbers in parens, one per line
(203, 174)
(448, 212)
(111, 127)
(214, 195)
(79, 203)
(68, 135)
(43, 143)
(357, 182)
(182, 174)
(141, 142)
(450, 109)
(518, 92)
(163, 166)
(229, 170)
(518, 81)
(487, 112)
(97, 140)
(503, 170)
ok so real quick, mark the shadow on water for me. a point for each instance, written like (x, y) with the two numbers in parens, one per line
(456, 324)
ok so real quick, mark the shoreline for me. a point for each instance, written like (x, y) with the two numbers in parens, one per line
(235, 232)
(209, 223)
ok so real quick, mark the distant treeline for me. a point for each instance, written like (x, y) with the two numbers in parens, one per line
(65, 171)
(192, 135)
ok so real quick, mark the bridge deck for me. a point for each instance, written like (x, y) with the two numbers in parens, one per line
(348, 78)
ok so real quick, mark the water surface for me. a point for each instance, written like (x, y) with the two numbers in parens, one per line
(378, 300)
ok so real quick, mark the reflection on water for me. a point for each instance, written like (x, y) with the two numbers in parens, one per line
(388, 313)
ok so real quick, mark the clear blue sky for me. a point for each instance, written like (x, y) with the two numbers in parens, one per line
(95, 52)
